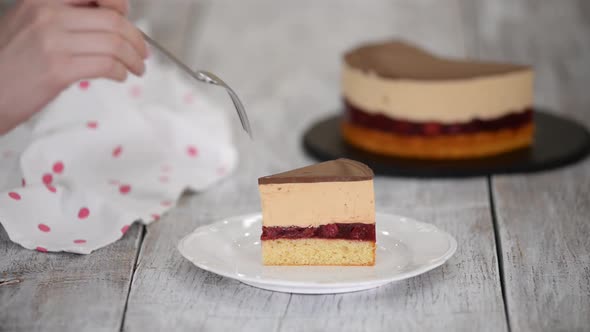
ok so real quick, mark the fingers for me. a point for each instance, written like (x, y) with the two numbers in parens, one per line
(121, 6)
(94, 66)
(103, 20)
(106, 44)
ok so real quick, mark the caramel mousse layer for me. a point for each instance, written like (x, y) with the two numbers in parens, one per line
(401, 81)
(355, 231)
(399, 126)
(314, 204)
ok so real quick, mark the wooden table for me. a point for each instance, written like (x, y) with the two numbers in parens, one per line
(523, 262)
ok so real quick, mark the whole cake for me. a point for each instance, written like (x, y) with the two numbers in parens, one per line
(402, 101)
(322, 214)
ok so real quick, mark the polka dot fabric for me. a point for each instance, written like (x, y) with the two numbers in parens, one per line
(104, 155)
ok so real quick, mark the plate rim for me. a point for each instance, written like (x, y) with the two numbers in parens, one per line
(323, 285)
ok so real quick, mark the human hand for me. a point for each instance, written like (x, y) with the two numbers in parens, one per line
(45, 46)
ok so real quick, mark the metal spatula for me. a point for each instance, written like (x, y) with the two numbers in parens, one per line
(207, 77)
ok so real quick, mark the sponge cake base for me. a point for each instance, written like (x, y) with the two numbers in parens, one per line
(458, 146)
(318, 252)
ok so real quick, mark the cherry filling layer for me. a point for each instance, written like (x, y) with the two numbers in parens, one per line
(356, 231)
(381, 122)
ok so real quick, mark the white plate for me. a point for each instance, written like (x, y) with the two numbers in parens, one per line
(231, 248)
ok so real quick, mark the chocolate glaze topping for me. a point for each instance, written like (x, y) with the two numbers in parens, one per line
(400, 60)
(330, 171)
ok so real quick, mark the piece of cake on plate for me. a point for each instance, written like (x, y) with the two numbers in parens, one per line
(403, 101)
(323, 214)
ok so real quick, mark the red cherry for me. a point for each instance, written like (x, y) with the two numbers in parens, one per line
(329, 231)
(431, 129)
(358, 233)
(308, 232)
(402, 127)
(455, 129)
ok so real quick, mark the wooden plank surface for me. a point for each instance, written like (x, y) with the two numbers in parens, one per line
(283, 58)
(544, 219)
(67, 292)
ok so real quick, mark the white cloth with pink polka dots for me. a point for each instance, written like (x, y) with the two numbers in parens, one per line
(104, 155)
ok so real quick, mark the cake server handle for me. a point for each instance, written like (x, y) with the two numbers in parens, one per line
(207, 77)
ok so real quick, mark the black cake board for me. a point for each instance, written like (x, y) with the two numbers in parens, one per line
(558, 142)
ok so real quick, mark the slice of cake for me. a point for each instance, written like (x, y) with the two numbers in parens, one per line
(322, 214)
(402, 101)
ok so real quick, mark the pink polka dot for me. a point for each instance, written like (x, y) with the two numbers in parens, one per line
(92, 124)
(221, 171)
(189, 98)
(166, 203)
(47, 178)
(44, 228)
(41, 249)
(113, 182)
(84, 85)
(117, 151)
(124, 189)
(156, 217)
(125, 229)
(80, 241)
(83, 213)
(166, 168)
(58, 167)
(14, 196)
(135, 91)
(192, 151)
(24, 183)
(164, 179)
(7, 153)
(51, 188)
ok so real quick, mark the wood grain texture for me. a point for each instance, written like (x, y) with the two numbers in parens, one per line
(543, 219)
(463, 294)
(283, 59)
(62, 292)
(65, 292)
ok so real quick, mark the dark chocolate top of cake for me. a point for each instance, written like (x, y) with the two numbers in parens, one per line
(338, 170)
(400, 60)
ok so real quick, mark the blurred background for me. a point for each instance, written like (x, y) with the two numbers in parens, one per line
(292, 49)
(283, 57)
